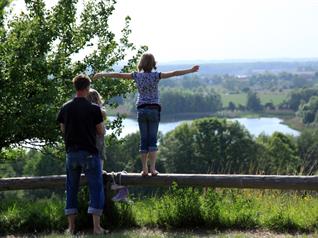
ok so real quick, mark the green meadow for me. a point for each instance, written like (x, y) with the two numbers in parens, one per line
(240, 98)
(216, 210)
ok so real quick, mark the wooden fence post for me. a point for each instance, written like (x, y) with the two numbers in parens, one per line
(109, 204)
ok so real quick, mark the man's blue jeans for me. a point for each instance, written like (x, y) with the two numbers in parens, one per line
(148, 121)
(77, 162)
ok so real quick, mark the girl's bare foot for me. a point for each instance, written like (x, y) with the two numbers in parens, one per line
(69, 232)
(154, 173)
(144, 174)
(100, 231)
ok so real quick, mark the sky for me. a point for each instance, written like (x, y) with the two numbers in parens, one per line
(190, 30)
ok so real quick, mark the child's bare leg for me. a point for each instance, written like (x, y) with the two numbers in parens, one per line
(153, 159)
(98, 230)
(144, 160)
(71, 223)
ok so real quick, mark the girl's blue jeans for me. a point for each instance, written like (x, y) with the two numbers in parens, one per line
(77, 162)
(148, 121)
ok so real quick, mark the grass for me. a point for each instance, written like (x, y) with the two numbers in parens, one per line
(158, 233)
(295, 123)
(196, 210)
(240, 98)
(25, 216)
(230, 209)
(275, 97)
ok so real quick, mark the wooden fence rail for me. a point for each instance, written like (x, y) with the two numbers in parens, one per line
(200, 180)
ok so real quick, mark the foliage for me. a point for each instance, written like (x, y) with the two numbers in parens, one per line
(307, 144)
(32, 162)
(278, 154)
(175, 101)
(231, 106)
(179, 208)
(211, 145)
(39, 52)
(41, 164)
(208, 145)
(27, 216)
(233, 209)
(12, 162)
(308, 111)
(284, 154)
(123, 154)
(298, 96)
(213, 209)
(253, 102)
(188, 101)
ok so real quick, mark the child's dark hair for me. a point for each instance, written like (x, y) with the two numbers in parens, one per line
(81, 82)
(147, 63)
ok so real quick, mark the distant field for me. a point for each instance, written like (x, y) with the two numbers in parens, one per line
(240, 98)
(276, 97)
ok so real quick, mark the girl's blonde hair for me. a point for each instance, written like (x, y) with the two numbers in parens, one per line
(147, 63)
(94, 97)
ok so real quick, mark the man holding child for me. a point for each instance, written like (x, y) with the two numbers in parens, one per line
(80, 121)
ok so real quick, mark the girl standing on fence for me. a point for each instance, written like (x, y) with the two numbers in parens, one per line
(148, 106)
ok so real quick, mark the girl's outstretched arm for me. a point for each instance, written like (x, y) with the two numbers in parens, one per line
(165, 75)
(112, 75)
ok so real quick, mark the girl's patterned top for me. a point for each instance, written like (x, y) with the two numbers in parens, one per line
(147, 85)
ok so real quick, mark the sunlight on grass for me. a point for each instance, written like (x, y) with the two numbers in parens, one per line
(155, 233)
(169, 214)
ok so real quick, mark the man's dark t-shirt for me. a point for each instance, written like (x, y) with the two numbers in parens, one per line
(80, 118)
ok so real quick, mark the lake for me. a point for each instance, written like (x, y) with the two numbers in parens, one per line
(255, 126)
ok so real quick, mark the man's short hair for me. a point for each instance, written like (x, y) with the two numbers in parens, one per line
(81, 82)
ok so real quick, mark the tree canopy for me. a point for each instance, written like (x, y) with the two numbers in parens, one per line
(308, 111)
(38, 52)
(253, 102)
(208, 145)
(298, 96)
(185, 101)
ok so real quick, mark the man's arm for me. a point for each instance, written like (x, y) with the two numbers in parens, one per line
(100, 129)
(112, 75)
(165, 75)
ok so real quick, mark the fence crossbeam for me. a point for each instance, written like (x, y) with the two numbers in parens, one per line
(197, 180)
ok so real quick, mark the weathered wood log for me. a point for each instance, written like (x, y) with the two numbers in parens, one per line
(197, 180)
(48, 182)
(225, 181)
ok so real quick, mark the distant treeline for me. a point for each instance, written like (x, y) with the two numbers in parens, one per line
(246, 68)
(182, 101)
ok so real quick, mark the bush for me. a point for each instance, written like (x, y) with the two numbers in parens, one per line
(180, 208)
